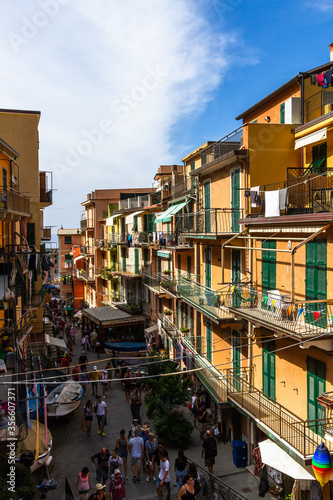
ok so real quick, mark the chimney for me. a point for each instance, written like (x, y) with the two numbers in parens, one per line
(331, 51)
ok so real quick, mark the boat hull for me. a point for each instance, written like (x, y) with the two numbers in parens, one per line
(62, 409)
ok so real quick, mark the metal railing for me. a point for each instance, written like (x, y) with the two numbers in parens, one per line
(213, 487)
(229, 142)
(46, 233)
(307, 318)
(210, 221)
(299, 434)
(138, 202)
(213, 303)
(13, 200)
(183, 183)
(86, 224)
(318, 104)
(85, 275)
(310, 190)
(169, 328)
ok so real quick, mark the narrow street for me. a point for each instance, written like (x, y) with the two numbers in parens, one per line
(72, 449)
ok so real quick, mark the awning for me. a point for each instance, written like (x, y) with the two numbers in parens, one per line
(166, 216)
(109, 220)
(163, 254)
(78, 258)
(68, 308)
(311, 138)
(54, 341)
(151, 329)
(129, 219)
(273, 456)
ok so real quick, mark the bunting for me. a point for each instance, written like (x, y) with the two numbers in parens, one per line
(316, 315)
(300, 310)
(290, 308)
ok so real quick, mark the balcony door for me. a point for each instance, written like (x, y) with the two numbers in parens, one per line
(235, 200)
(236, 359)
(316, 382)
(268, 368)
(209, 344)
(207, 206)
(316, 282)
(208, 267)
(136, 261)
(268, 269)
(235, 276)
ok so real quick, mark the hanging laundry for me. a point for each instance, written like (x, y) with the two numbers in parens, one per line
(283, 198)
(321, 80)
(272, 203)
(255, 197)
(313, 80)
(328, 76)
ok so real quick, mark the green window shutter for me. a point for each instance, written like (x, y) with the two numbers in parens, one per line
(209, 345)
(192, 166)
(268, 270)
(208, 267)
(207, 207)
(136, 261)
(179, 265)
(268, 368)
(135, 223)
(160, 305)
(282, 112)
(189, 266)
(150, 223)
(159, 265)
(203, 159)
(316, 382)
(316, 280)
(235, 200)
(31, 237)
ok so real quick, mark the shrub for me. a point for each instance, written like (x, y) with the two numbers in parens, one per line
(174, 429)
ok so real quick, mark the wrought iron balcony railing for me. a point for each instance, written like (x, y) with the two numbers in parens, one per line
(230, 142)
(300, 318)
(85, 275)
(210, 221)
(318, 105)
(302, 435)
(310, 190)
(138, 202)
(12, 200)
(210, 302)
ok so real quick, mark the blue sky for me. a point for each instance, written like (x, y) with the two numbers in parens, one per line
(127, 85)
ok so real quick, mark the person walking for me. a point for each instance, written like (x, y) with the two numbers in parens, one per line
(99, 492)
(122, 447)
(109, 369)
(180, 468)
(84, 379)
(101, 414)
(164, 475)
(83, 484)
(150, 447)
(135, 426)
(117, 486)
(104, 382)
(202, 421)
(87, 416)
(135, 446)
(135, 405)
(95, 378)
(209, 449)
(187, 491)
(101, 465)
(93, 340)
(156, 458)
(115, 462)
(144, 435)
(127, 384)
(83, 360)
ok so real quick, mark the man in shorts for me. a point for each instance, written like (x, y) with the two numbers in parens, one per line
(136, 448)
(101, 414)
(209, 448)
(164, 475)
(95, 378)
(100, 461)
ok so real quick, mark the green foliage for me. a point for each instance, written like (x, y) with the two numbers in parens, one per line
(25, 486)
(174, 429)
(164, 393)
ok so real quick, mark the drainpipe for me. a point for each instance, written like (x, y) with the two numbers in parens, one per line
(222, 249)
(293, 251)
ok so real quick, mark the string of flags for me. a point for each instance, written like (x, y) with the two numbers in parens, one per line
(279, 304)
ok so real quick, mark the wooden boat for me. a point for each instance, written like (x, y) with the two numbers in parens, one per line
(64, 399)
(25, 450)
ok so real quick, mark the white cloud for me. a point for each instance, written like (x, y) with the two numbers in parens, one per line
(322, 6)
(143, 65)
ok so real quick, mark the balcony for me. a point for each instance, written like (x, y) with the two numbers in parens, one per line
(85, 275)
(318, 105)
(293, 434)
(45, 188)
(169, 328)
(89, 250)
(182, 185)
(300, 319)
(214, 305)
(209, 222)
(107, 272)
(13, 202)
(230, 142)
(138, 202)
(86, 224)
(310, 191)
(45, 233)
(128, 270)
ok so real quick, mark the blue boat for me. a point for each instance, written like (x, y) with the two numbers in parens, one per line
(126, 350)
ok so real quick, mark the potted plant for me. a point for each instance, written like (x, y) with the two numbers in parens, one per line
(183, 329)
(168, 312)
(166, 271)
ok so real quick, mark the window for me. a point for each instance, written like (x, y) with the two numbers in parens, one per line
(203, 159)
(192, 165)
(68, 260)
(31, 233)
(282, 112)
(68, 240)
